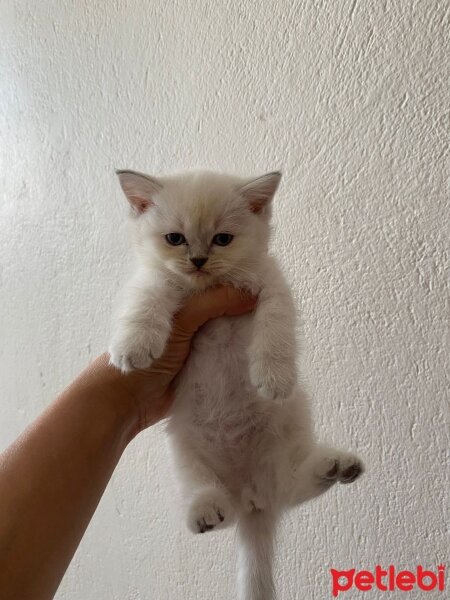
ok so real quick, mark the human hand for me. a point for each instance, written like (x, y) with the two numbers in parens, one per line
(149, 392)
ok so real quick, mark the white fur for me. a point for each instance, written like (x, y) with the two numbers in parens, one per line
(240, 429)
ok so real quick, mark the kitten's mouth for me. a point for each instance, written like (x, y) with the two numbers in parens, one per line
(199, 279)
(197, 272)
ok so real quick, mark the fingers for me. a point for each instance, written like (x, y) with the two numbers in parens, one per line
(212, 303)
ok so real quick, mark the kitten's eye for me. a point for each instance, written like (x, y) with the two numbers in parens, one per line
(222, 239)
(175, 239)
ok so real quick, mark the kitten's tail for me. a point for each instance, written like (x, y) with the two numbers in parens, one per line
(255, 550)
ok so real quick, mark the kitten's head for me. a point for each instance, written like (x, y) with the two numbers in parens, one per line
(202, 227)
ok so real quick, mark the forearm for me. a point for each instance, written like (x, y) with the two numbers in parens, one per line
(53, 476)
(52, 479)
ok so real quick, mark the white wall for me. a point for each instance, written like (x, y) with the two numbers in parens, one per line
(351, 99)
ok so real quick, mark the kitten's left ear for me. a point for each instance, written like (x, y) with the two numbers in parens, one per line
(139, 189)
(259, 192)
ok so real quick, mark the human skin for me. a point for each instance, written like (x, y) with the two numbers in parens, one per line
(53, 476)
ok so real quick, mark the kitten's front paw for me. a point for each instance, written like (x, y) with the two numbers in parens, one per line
(272, 378)
(210, 510)
(137, 349)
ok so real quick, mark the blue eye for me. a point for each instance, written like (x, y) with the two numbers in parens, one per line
(175, 239)
(222, 239)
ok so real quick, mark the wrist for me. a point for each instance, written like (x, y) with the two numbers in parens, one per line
(110, 396)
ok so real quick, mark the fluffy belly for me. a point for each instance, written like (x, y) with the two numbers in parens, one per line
(216, 372)
(216, 405)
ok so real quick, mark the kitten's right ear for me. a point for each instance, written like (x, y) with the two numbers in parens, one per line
(259, 192)
(139, 189)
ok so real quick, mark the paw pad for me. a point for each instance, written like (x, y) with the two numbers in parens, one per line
(351, 473)
(209, 512)
(345, 468)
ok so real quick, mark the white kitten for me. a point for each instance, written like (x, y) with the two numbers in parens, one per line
(240, 427)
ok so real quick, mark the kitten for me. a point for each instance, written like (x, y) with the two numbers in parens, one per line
(239, 428)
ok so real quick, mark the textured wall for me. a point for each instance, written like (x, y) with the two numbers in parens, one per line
(350, 98)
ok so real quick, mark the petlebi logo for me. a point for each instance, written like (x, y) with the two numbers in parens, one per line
(387, 580)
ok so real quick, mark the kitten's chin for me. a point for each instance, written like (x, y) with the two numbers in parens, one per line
(199, 280)
(195, 280)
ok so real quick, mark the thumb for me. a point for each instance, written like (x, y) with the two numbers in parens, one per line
(212, 303)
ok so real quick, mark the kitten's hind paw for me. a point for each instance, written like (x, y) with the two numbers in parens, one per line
(210, 510)
(339, 466)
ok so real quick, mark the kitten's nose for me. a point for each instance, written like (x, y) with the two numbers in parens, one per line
(198, 262)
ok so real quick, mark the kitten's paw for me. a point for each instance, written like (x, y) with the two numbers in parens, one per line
(339, 466)
(137, 349)
(272, 379)
(210, 510)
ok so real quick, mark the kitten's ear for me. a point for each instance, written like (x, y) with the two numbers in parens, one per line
(259, 192)
(139, 189)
